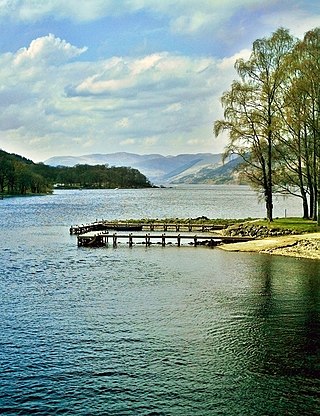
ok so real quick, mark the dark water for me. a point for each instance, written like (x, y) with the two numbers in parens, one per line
(150, 331)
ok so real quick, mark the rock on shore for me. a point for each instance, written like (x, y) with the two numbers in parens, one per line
(255, 230)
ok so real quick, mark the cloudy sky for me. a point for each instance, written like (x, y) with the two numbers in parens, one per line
(142, 76)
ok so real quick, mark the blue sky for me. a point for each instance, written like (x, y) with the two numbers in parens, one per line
(142, 76)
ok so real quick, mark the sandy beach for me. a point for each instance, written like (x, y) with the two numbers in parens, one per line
(303, 245)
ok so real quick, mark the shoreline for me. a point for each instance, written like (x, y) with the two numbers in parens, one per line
(301, 246)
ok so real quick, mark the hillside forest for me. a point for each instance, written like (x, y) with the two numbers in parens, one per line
(21, 176)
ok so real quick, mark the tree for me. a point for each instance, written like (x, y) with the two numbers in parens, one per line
(309, 76)
(250, 110)
(292, 150)
(298, 146)
(22, 176)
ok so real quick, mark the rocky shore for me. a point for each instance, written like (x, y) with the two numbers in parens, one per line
(253, 229)
(273, 240)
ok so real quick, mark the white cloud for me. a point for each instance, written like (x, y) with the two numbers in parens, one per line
(147, 102)
(182, 16)
(151, 141)
(169, 76)
(172, 108)
(123, 123)
(84, 10)
(297, 21)
(48, 49)
(78, 10)
(128, 142)
(227, 63)
(192, 23)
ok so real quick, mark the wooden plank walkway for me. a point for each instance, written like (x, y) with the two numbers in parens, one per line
(143, 226)
(104, 239)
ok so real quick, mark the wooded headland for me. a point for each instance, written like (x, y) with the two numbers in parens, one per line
(21, 176)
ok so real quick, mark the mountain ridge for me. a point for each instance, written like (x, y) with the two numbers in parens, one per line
(159, 169)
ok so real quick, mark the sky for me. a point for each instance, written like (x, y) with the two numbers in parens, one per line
(142, 76)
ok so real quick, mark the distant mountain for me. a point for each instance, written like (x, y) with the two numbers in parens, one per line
(183, 168)
(224, 174)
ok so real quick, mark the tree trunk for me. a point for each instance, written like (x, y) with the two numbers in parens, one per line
(315, 179)
(305, 206)
(269, 202)
(269, 205)
(318, 220)
(311, 192)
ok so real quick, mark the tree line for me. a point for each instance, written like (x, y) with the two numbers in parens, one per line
(272, 117)
(21, 176)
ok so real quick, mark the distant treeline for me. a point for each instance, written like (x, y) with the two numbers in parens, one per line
(21, 176)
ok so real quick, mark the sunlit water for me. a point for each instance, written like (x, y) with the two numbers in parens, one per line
(152, 331)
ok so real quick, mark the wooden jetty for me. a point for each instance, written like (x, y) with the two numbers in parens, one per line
(104, 239)
(143, 226)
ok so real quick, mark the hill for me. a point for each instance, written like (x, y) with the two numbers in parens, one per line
(159, 169)
(224, 174)
(21, 176)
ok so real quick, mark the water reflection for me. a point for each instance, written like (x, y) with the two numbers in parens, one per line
(285, 320)
(188, 331)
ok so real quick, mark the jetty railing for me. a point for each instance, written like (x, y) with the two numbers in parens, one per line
(144, 226)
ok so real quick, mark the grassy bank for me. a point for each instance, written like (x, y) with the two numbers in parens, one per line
(199, 220)
(296, 224)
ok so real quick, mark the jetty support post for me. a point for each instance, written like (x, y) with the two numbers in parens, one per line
(130, 240)
(114, 240)
(163, 240)
(148, 240)
(195, 239)
(179, 240)
(104, 237)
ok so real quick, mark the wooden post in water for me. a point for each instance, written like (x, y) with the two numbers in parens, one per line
(163, 240)
(195, 241)
(130, 240)
(148, 242)
(114, 240)
(179, 240)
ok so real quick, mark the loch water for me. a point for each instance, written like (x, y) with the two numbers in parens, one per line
(152, 330)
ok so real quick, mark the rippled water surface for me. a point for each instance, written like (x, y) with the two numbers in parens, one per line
(151, 331)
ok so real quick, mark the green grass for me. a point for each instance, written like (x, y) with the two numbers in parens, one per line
(292, 223)
(199, 220)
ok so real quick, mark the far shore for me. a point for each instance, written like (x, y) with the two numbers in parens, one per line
(302, 245)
